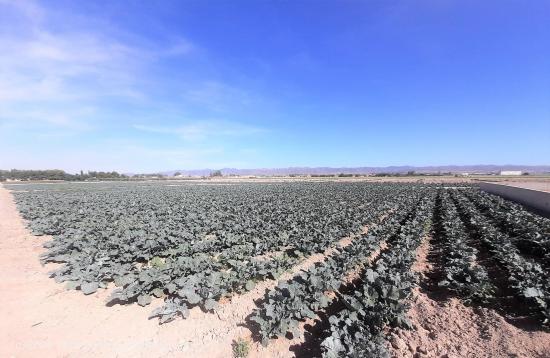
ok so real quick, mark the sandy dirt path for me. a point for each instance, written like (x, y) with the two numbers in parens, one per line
(40, 318)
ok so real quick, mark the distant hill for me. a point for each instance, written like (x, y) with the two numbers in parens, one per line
(366, 170)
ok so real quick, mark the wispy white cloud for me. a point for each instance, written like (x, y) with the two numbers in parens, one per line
(70, 120)
(204, 129)
(42, 67)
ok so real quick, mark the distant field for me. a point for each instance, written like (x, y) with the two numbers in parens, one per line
(535, 185)
(344, 266)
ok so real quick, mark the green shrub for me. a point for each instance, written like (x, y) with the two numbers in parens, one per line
(241, 348)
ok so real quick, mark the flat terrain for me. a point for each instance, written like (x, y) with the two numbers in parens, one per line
(540, 182)
(42, 318)
(542, 186)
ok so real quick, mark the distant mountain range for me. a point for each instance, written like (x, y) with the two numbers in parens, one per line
(364, 170)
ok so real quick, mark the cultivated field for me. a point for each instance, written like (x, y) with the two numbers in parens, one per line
(281, 269)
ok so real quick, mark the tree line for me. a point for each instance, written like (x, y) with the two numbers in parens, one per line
(57, 174)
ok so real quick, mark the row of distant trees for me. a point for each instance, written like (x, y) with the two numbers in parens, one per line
(56, 174)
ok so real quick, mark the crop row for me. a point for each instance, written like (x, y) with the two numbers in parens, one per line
(303, 296)
(525, 276)
(381, 298)
(460, 271)
(529, 232)
(193, 244)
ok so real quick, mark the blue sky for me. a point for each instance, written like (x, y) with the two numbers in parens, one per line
(143, 87)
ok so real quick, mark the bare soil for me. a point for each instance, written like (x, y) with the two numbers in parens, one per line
(533, 185)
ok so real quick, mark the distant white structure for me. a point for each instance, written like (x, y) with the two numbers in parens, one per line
(511, 172)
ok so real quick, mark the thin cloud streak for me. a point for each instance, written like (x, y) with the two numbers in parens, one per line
(201, 130)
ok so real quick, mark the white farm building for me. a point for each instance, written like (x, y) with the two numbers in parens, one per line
(511, 172)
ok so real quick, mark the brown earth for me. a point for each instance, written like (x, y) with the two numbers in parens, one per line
(451, 329)
(533, 185)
